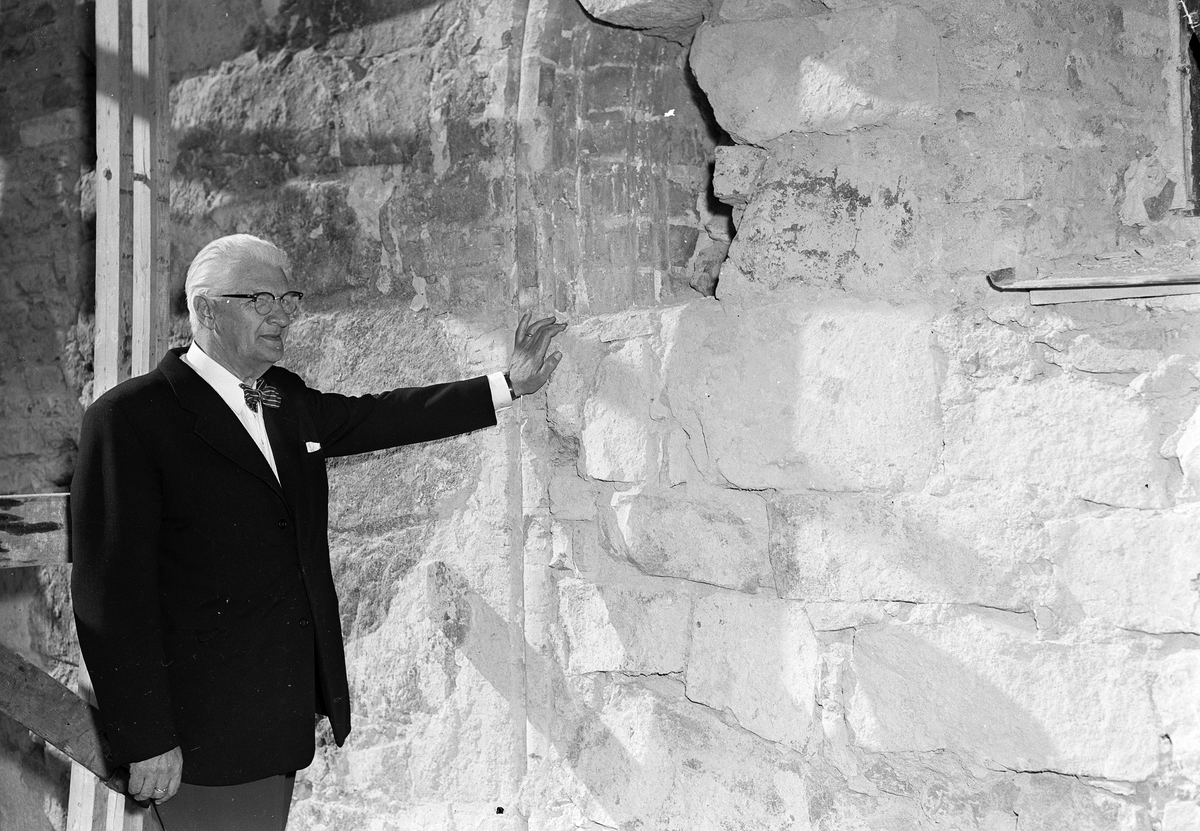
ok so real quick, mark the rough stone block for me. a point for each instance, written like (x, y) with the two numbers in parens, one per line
(1084, 438)
(61, 125)
(829, 73)
(641, 628)
(989, 688)
(757, 658)
(1175, 685)
(667, 15)
(829, 395)
(969, 546)
(1132, 569)
(708, 536)
(618, 436)
(735, 177)
(648, 758)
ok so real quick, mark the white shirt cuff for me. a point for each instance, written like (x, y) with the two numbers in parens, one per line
(501, 400)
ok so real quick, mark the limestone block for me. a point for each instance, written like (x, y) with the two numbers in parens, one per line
(1175, 685)
(1181, 815)
(757, 658)
(645, 757)
(641, 628)
(829, 73)
(648, 14)
(990, 689)
(735, 177)
(831, 395)
(1048, 802)
(618, 437)
(1133, 569)
(1084, 438)
(708, 536)
(969, 546)
(61, 125)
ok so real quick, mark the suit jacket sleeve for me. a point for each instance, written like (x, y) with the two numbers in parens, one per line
(349, 425)
(115, 518)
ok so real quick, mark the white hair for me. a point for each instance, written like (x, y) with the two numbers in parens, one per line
(217, 265)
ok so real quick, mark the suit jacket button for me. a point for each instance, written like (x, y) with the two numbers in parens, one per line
(304, 621)
(283, 523)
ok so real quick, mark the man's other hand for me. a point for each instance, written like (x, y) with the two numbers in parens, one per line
(531, 367)
(156, 779)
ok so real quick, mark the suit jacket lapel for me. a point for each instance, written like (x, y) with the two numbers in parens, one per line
(215, 423)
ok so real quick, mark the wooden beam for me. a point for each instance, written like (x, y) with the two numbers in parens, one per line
(55, 713)
(114, 191)
(151, 316)
(34, 530)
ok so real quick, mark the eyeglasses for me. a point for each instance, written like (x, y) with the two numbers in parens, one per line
(264, 301)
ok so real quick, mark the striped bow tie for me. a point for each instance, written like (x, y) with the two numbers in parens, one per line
(261, 393)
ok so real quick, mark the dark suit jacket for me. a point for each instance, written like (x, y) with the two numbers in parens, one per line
(203, 593)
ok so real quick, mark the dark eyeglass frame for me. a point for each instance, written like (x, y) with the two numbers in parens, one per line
(289, 301)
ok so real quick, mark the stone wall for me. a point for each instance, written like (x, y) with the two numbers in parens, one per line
(855, 543)
(45, 281)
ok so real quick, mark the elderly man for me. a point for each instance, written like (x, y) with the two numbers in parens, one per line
(203, 594)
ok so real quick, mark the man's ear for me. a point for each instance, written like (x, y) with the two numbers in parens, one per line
(206, 311)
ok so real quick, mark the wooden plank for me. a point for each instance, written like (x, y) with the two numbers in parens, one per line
(34, 530)
(1044, 297)
(114, 194)
(151, 258)
(1008, 279)
(55, 713)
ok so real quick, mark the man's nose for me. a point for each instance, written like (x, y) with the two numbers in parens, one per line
(278, 315)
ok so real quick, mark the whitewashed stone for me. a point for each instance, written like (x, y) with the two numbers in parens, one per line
(640, 628)
(1084, 438)
(1178, 704)
(827, 73)
(1181, 815)
(969, 546)
(618, 437)
(1133, 569)
(757, 658)
(649, 759)
(705, 535)
(995, 692)
(1049, 802)
(831, 395)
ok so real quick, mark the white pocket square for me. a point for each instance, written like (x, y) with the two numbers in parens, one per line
(312, 446)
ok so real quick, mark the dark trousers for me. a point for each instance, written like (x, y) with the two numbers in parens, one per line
(255, 806)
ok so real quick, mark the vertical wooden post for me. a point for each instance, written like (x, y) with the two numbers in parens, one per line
(132, 266)
(114, 128)
(151, 248)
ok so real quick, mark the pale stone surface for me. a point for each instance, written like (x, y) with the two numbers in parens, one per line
(706, 535)
(645, 757)
(1175, 685)
(969, 546)
(757, 658)
(639, 628)
(831, 395)
(618, 436)
(829, 73)
(1087, 439)
(1180, 815)
(991, 690)
(1133, 569)
(649, 14)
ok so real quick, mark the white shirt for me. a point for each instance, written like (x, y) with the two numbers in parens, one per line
(228, 386)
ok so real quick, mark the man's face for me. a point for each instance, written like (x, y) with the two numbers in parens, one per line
(250, 342)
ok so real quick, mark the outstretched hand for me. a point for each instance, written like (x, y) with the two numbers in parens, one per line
(530, 367)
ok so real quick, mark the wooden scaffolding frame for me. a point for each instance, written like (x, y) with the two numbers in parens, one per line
(132, 333)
